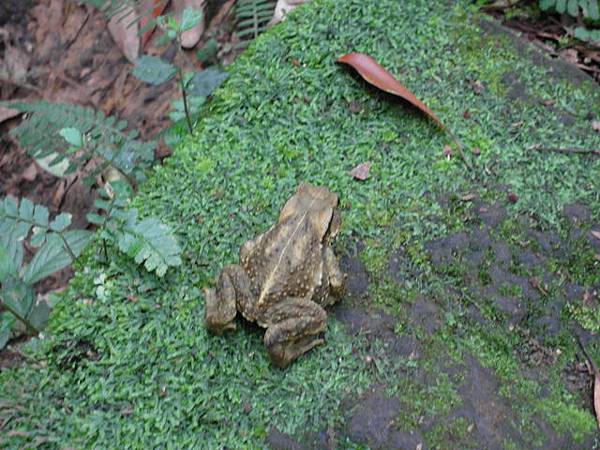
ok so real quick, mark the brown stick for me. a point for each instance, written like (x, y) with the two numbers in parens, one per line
(579, 151)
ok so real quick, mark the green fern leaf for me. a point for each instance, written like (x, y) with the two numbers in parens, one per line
(252, 17)
(150, 242)
(42, 134)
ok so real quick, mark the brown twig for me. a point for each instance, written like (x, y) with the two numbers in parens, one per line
(566, 150)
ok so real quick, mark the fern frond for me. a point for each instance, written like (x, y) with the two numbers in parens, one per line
(105, 137)
(252, 18)
(147, 241)
(587, 8)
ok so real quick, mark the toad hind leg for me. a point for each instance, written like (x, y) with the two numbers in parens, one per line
(220, 308)
(294, 328)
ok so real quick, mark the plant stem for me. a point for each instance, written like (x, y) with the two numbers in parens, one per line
(185, 103)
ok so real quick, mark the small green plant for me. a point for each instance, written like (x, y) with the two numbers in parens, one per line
(147, 241)
(65, 137)
(154, 70)
(253, 17)
(588, 10)
(22, 222)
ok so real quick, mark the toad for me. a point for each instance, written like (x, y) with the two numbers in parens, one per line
(285, 278)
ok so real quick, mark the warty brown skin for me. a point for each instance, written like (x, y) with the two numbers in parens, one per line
(286, 276)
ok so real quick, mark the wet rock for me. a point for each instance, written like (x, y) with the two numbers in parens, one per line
(426, 314)
(373, 422)
(529, 259)
(443, 250)
(282, 441)
(490, 214)
(485, 407)
(377, 325)
(399, 266)
(502, 254)
(357, 281)
(594, 237)
(577, 213)
(549, 242)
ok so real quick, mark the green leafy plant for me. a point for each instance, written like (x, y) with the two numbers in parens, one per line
(147, 241)
(588, 10)
(22, 222)
(252, 17)
(64, 137)
(123, 8)
(154, 70)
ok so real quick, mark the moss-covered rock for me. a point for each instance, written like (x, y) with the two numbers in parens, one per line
(467, 298)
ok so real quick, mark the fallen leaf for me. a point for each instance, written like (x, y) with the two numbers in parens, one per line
(596, 125)
(125, 36)
(379, 77)
(376, 75)
(468, 197)
(596, 234)
(7, 113)
(361, 172)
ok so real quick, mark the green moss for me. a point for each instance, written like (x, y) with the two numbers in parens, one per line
(567, 418)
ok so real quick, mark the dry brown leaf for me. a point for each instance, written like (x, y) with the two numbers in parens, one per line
(468, 197)
(379, 77)
(376, 75)
(361, 172)
(125, 36)
(7, 113)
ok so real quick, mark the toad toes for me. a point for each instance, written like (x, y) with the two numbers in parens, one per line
(285, 278)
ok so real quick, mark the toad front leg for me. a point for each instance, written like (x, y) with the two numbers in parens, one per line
(293, 329)
(221, 306)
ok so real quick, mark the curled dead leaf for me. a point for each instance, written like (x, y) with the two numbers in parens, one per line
(361, 172)
(375, 74)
